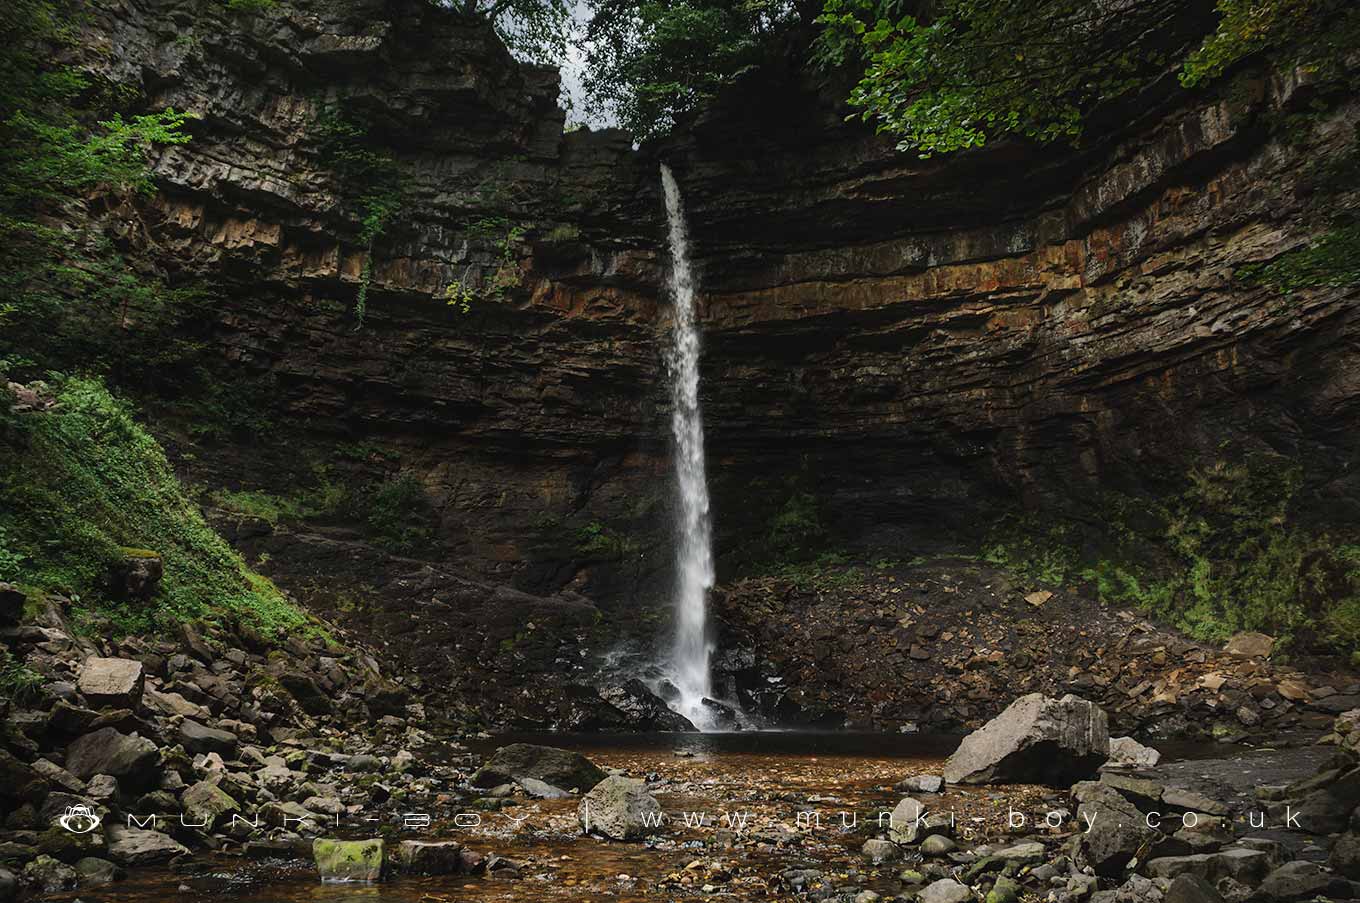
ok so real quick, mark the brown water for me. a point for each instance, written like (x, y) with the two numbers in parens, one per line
(732, 807)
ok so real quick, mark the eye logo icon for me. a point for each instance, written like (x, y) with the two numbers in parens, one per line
(79, 820)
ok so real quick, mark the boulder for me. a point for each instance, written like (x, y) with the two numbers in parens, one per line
(1126, 751)
(131, 759)
(1240, 864)
(643, 709)
(12, 601)
(945, 890)
(137, 846)
(1302, 879)
(906, 823)
(1036, 740)
(541, 790)
(431, 857)
(879, 851)
(619, 808)
(558, 767)
(1250, 645)
(1005, 890)
(939, 845)
(50, 876)
(1345, 857)
(348, 860)
(1111, 829)
(206, 806)
(112, 682)
(1190, 888)
(94, 871)
(198, 738)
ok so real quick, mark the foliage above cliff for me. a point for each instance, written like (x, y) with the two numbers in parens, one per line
(950, 75)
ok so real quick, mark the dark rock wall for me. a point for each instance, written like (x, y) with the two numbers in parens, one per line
(923, 345)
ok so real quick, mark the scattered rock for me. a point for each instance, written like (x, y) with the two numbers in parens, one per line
(1128, 751)
(945, 890)
(137, 846)
(112, 682)
(1114, 831)
(558, 767)
(1189, 888)
(132, 760)
(1035, 740)
(619, 808)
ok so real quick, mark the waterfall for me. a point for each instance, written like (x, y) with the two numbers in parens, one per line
(694, 542)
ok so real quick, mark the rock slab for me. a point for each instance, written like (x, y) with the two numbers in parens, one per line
(1036, 740)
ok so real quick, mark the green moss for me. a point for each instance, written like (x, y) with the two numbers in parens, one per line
(598, 540)
(1332, 260)
(82, 485)
(19, 683)
(1226, 553)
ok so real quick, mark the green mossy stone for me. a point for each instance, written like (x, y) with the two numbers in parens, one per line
(348, 860)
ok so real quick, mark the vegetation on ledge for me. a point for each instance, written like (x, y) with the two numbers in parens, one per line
(83, 487)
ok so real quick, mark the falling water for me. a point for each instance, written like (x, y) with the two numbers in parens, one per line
(694, 543)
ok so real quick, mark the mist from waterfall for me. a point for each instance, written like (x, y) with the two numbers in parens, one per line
(694, 540)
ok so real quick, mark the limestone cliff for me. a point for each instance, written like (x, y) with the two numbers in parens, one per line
(915, 348)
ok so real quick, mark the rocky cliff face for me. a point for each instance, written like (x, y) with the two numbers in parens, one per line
(899, 352)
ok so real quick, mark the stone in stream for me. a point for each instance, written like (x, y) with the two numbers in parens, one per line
(558, 767)
(1036, 740)
(431, 857)
(541, 790)
(1128, 751)
(131, 759)
(945, 890)
(1005, 890)
(94, 871)
(136, 846)
(920, 783)
(348, 860)
(50, 876)
(111, 682)
(619, 808)
(879, 851)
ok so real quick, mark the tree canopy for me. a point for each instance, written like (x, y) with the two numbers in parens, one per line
(949, 74)
(536, 30)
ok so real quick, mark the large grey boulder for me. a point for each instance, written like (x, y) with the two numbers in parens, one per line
(113, 682)
(1036, 740)
(945, 890)
(131, 759)
(558, 767)
(137, 846)
(619, 808)
(1111, 830)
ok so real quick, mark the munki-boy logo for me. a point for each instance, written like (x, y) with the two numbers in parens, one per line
(79, 820)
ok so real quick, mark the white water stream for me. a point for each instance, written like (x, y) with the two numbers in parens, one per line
(694, 540)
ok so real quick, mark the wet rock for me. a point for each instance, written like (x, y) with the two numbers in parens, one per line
(199, 739)
(1037, 739)
(541, 790)
(945, 890)
(906, 824)
(1114, 829)
(644, 709)
(348, 860)
(431, 857)
(1190, 888)
(69, 846)
(208, 805)
(1129, 752)
(1244, 865)
(724, 717)
(879, 851)
(93, 871)
(50, 876)
(939, 845)
(558, 767)
(137, 846)
(112, 682)
(619, 808)
(1345, 856)
(920, 783)
(132, 760)
(1004, 890)
(1297, 880)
